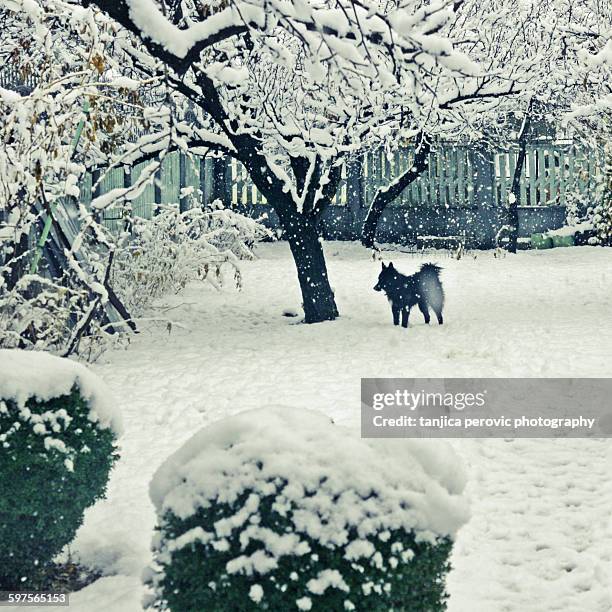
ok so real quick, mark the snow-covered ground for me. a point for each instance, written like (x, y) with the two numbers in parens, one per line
(540, 537)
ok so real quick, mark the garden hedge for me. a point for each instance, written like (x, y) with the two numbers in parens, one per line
(56, 455)
(282, 510)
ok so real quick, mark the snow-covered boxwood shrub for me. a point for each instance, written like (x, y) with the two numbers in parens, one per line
(57, 446)
(279, 509)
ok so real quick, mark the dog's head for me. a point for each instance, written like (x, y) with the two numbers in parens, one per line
(385, 278)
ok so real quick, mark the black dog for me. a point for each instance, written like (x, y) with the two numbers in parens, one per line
(403, 292)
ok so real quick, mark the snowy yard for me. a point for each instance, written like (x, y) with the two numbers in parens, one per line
(540, 537)
(136, 135)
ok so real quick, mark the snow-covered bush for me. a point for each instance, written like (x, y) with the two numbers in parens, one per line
(231, 231)
(65, 109)
(57, 438)
(576, 206)
(174, 248)
(280, 509)
(39, 313)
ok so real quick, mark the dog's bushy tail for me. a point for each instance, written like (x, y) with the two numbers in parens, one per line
(431, 270)
(429, 282)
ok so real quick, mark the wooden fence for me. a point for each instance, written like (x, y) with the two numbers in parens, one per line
(553, 174)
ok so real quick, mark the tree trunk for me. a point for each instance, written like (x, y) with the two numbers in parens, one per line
(385, 195)
(300, 230)
(218, 179)
(512, 219)
(317, 295)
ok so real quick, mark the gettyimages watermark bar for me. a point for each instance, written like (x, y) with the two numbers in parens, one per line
(486, 407)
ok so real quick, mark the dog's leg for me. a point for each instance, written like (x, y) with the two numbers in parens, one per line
(439, 315)
(425, 310)
(405, 314)
(396, 314)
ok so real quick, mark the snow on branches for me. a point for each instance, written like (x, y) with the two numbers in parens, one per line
(71, 103)
(58, 117)
(174, 248)
(600, 215)
(291, 87)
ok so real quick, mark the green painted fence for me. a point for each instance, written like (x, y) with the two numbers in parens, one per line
(553, 174)
(446, 182)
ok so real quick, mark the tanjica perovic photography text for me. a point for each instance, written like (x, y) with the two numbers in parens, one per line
(306, 305)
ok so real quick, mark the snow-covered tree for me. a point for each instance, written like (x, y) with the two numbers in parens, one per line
(69, 106)
(530, 55)
(589, 39)
(290, 90)
(58, 116)
(601, 214)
